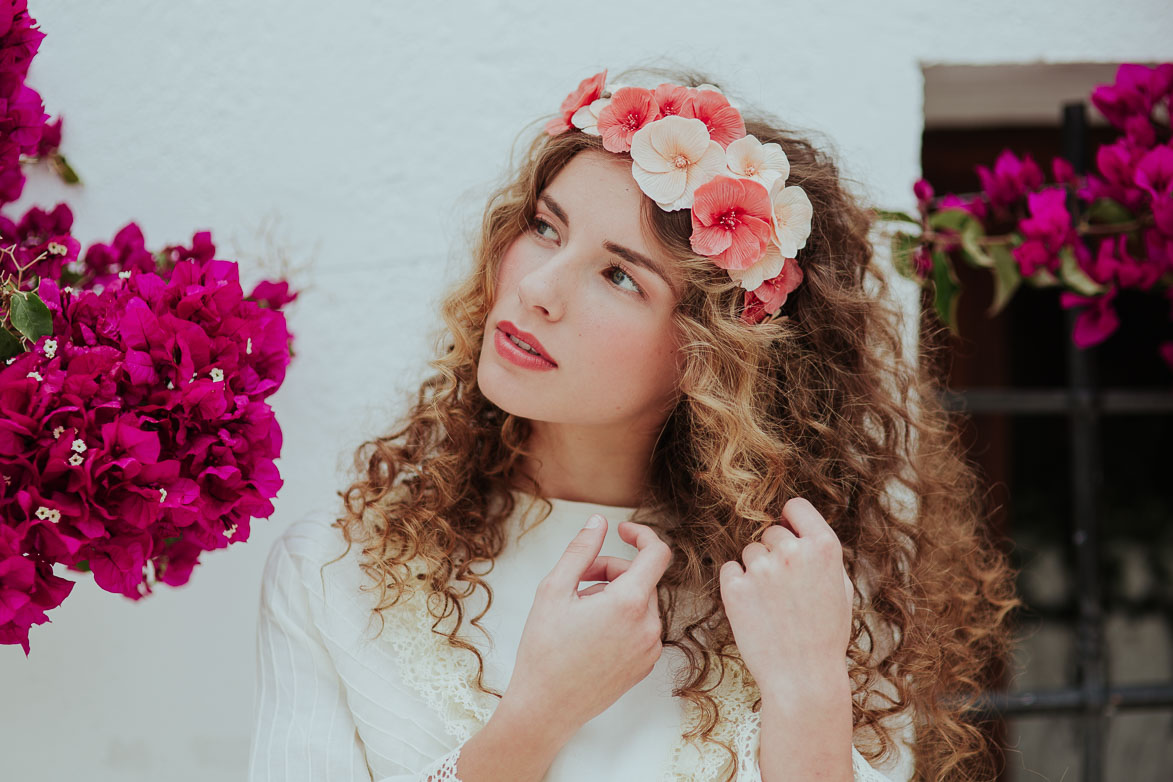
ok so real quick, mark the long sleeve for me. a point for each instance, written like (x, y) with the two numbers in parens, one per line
(304, 730)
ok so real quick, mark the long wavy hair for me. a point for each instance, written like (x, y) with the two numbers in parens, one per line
(822, 404)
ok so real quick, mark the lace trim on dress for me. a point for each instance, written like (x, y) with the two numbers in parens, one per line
(443, 676)
(443, 770)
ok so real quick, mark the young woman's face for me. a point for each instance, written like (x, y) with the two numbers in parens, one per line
(583, 283)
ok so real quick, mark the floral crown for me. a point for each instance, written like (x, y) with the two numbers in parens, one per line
(689, 150)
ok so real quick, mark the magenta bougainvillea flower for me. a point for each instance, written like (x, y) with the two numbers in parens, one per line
(136, 436)
(1010, 180)
(1047, 231)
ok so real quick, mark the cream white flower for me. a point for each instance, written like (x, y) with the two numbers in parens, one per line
(751, 159)
(52, 514)
(77, 459)
(124, 275)
(792, 218)
(162, 494)
(216, 373)
(50, 347)
(57, 432)
(228, 533)
(67, 289)
(79, 445)
(767, 268)
(248, 348)
(586, 118)
(56, 248)
(672, 157)
(34, 376)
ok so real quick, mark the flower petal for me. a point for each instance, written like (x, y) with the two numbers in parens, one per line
(663, 187)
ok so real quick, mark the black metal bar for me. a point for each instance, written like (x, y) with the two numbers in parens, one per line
(1055, 401)
(1085, 478)
(1072, 701)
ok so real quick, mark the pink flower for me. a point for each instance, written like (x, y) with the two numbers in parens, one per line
(764, 163)
(1046, 231)
(712, 108)
(587, 90)
(1063, 172)
(1096, 322)
(1011, 179)
(1136, 90)
(1154, 172)
(630, 109)
(769, 297)
(731, 221)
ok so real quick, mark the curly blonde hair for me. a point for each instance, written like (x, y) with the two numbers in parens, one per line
(819, 404)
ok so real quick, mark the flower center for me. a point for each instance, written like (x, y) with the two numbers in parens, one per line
(751, 169)
(730, 220)
(632, 121)
(680, 161)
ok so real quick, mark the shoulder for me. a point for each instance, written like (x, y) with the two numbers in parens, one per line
(312, 553)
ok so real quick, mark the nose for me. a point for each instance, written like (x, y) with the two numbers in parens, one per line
(542, 287)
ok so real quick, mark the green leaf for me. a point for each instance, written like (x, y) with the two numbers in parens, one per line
(65, 171)
(950, 219)
(946, 289)
(1006, 277)
(971, 236)
(1075, 277)
(903, 246)
(1106, 211)
(30, 316)
(9, 345)
(896, 217)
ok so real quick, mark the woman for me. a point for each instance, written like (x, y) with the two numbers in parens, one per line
(671, 373)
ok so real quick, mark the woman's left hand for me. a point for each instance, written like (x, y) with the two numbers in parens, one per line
(790, 607)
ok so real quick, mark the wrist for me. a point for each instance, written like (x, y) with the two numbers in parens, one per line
(536, 720)
(808, 687)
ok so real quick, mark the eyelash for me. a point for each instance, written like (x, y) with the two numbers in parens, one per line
(537, 222)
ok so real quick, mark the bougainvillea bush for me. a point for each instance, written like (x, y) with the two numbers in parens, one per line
(134, 432)
(1088, 236)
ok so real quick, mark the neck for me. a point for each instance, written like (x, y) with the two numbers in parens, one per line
(606, 466)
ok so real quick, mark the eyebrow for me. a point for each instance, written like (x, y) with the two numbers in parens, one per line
(631, 256)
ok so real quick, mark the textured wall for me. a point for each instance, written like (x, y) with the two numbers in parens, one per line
(364, 136)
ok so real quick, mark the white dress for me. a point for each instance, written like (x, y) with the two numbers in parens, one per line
(339, 701)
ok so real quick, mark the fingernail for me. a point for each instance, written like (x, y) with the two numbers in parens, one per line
(594, 521)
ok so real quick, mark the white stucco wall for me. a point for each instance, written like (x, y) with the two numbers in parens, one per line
(370, 131)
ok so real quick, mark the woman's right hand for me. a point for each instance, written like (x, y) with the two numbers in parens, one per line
(581, 650)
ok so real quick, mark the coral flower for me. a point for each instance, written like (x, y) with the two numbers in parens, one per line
(672, 157)
(769, 297)
(672, 99)
(630, 109)
(792, 217)
(731, 222)
(763, 163)
(587, 91)
(712, 108)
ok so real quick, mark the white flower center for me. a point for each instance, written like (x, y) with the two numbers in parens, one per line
(681, 161)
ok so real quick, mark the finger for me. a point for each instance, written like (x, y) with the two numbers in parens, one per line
(592, 590)
(605, 569)
(752, 552)
(775, 535)
(651, 559)
(727, 573)
(579, 554)
(804, 519)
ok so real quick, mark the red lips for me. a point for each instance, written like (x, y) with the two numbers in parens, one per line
(527, 338)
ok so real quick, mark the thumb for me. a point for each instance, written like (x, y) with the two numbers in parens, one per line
(579, 555)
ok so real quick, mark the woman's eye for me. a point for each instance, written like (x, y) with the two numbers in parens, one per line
(539, 224)
(615, 273)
